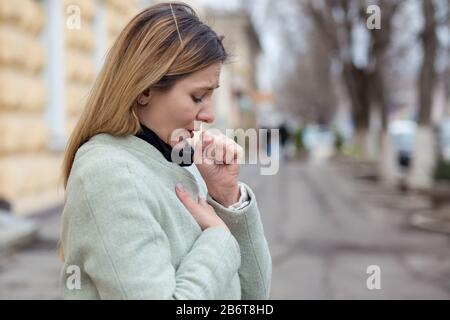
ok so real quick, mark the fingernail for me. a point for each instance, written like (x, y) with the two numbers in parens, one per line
(179, 187)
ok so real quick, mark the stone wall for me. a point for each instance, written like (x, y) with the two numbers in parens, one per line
(29, 169)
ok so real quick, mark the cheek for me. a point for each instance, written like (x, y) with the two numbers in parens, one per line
(183, 110)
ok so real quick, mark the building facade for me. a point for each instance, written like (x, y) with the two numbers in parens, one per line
(50, 52)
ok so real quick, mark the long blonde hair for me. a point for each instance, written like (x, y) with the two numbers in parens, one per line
(160, 45)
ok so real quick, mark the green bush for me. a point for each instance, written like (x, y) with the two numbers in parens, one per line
(298, 139)
(442, 170)
(351, 151)
(338, 140)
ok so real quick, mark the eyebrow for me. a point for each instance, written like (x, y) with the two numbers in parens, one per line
(207, 87)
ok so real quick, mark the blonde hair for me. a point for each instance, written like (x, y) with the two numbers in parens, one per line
(160, 45)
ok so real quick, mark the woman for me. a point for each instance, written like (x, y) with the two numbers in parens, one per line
(136, 224)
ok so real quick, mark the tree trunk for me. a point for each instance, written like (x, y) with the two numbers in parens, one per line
(424, 158)
(357, 84)
(361, 141)
(427, 75)
(388, 168)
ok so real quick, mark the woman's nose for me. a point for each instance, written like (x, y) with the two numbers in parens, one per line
(206, 115)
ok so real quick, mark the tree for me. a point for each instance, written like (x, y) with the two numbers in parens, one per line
(336, 22)
(424, 158)
(308, 91)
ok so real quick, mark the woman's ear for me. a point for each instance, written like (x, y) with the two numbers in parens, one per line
(144, 98)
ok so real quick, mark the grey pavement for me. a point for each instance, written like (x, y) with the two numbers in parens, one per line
(33, 272)
(15, 232)
(324, 228)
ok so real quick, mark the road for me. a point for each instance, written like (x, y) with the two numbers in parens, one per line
(325, 228)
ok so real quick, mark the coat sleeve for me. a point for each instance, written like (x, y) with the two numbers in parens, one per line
(126, 253)
(245, 224)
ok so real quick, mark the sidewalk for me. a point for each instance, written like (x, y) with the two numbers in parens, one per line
(33, 272)
(15, 232)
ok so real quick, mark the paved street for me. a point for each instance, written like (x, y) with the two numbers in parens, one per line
(324, 229)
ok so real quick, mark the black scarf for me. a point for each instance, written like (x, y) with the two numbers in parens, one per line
(151, 137)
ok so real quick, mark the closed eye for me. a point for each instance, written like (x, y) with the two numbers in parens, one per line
(196, 100)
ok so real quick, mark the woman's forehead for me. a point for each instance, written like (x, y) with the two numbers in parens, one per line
(207, 78)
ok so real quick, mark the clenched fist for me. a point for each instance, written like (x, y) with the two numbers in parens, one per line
(218, 160)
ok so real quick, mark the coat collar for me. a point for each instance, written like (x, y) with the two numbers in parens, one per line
(152, 138)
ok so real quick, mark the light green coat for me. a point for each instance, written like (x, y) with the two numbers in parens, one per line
(130, 237)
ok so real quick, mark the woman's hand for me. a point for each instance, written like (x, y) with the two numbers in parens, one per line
(202, 212)
(219, 166)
